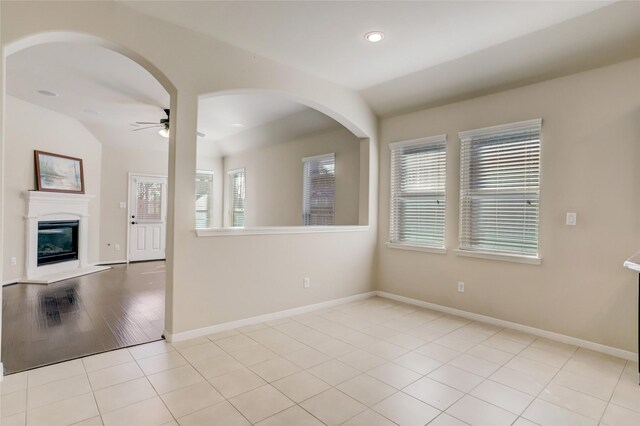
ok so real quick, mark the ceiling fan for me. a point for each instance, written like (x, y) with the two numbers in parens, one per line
(163, 124)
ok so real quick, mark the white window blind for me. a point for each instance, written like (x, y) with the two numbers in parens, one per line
(418, 176)
(500, 188)
(204, 200)
(148, 202)
(319, 190)
(236, 202)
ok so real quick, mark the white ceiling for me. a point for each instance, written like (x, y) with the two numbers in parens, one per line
(285, 127)
(266, 119)
(104, 90)
(217, 114)
(108, 93)
(603, 37)
(327, 38)
(433, 51)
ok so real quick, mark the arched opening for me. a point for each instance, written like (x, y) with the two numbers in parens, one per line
(268, 159)
(74, 95)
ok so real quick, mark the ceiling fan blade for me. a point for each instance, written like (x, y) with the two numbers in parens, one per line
(144, 128)
(147, 122)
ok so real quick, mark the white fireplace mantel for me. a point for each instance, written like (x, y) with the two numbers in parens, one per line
(54, 206)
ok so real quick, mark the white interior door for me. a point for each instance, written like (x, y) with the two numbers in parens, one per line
(147, 217)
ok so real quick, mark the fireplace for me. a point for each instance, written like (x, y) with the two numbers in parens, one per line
(57, 241)
(57, 227)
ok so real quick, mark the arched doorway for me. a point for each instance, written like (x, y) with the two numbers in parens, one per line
(54, 306)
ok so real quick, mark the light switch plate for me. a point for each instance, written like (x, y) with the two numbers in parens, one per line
(123, 204)
(571, 219)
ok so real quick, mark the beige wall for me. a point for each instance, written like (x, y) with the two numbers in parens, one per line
(117, 163)
(2, 156)
(208, 281)
(30, 127)
(590, 154)
(274, 176)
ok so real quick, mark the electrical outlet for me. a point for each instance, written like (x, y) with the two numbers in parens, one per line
(572, 219)
(14, 261)
(460, 286)
(306, 282)
(117, 247)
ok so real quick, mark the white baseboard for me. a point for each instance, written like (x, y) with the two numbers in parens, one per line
(9, 282)
(620, 353)
(1, 372)
(111, 262)
(185, 335)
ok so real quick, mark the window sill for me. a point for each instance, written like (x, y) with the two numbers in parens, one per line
(531, 260)
(277, 230)
(414, 247)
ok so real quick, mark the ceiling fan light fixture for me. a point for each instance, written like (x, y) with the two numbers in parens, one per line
(374, 36)
(164, 132)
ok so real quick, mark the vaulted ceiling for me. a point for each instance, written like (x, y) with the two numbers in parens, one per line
(432, 53)
(108, 93)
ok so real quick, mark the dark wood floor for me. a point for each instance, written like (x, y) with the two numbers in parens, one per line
(45, 324)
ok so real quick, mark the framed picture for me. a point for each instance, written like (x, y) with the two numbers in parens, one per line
(59, 173)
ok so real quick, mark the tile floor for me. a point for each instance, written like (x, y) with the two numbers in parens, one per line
(373, 362)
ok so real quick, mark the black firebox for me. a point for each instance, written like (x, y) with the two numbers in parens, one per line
(57, 241)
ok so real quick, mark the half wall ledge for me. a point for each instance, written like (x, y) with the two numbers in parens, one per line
(275, 230)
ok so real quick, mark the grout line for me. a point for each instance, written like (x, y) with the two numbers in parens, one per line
(146, 377)
(322, 328)
(93, 395)
(613, 392)
(488, 378)
(550, 381)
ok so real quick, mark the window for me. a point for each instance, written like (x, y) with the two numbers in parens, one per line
(500, 189)
(319, 190)
(418, 175)
(236, 194)
(148, 207)
(204, 199)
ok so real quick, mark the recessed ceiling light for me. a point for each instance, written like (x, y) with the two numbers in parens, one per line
(237, 125)
(47, 93)
(374, 36)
